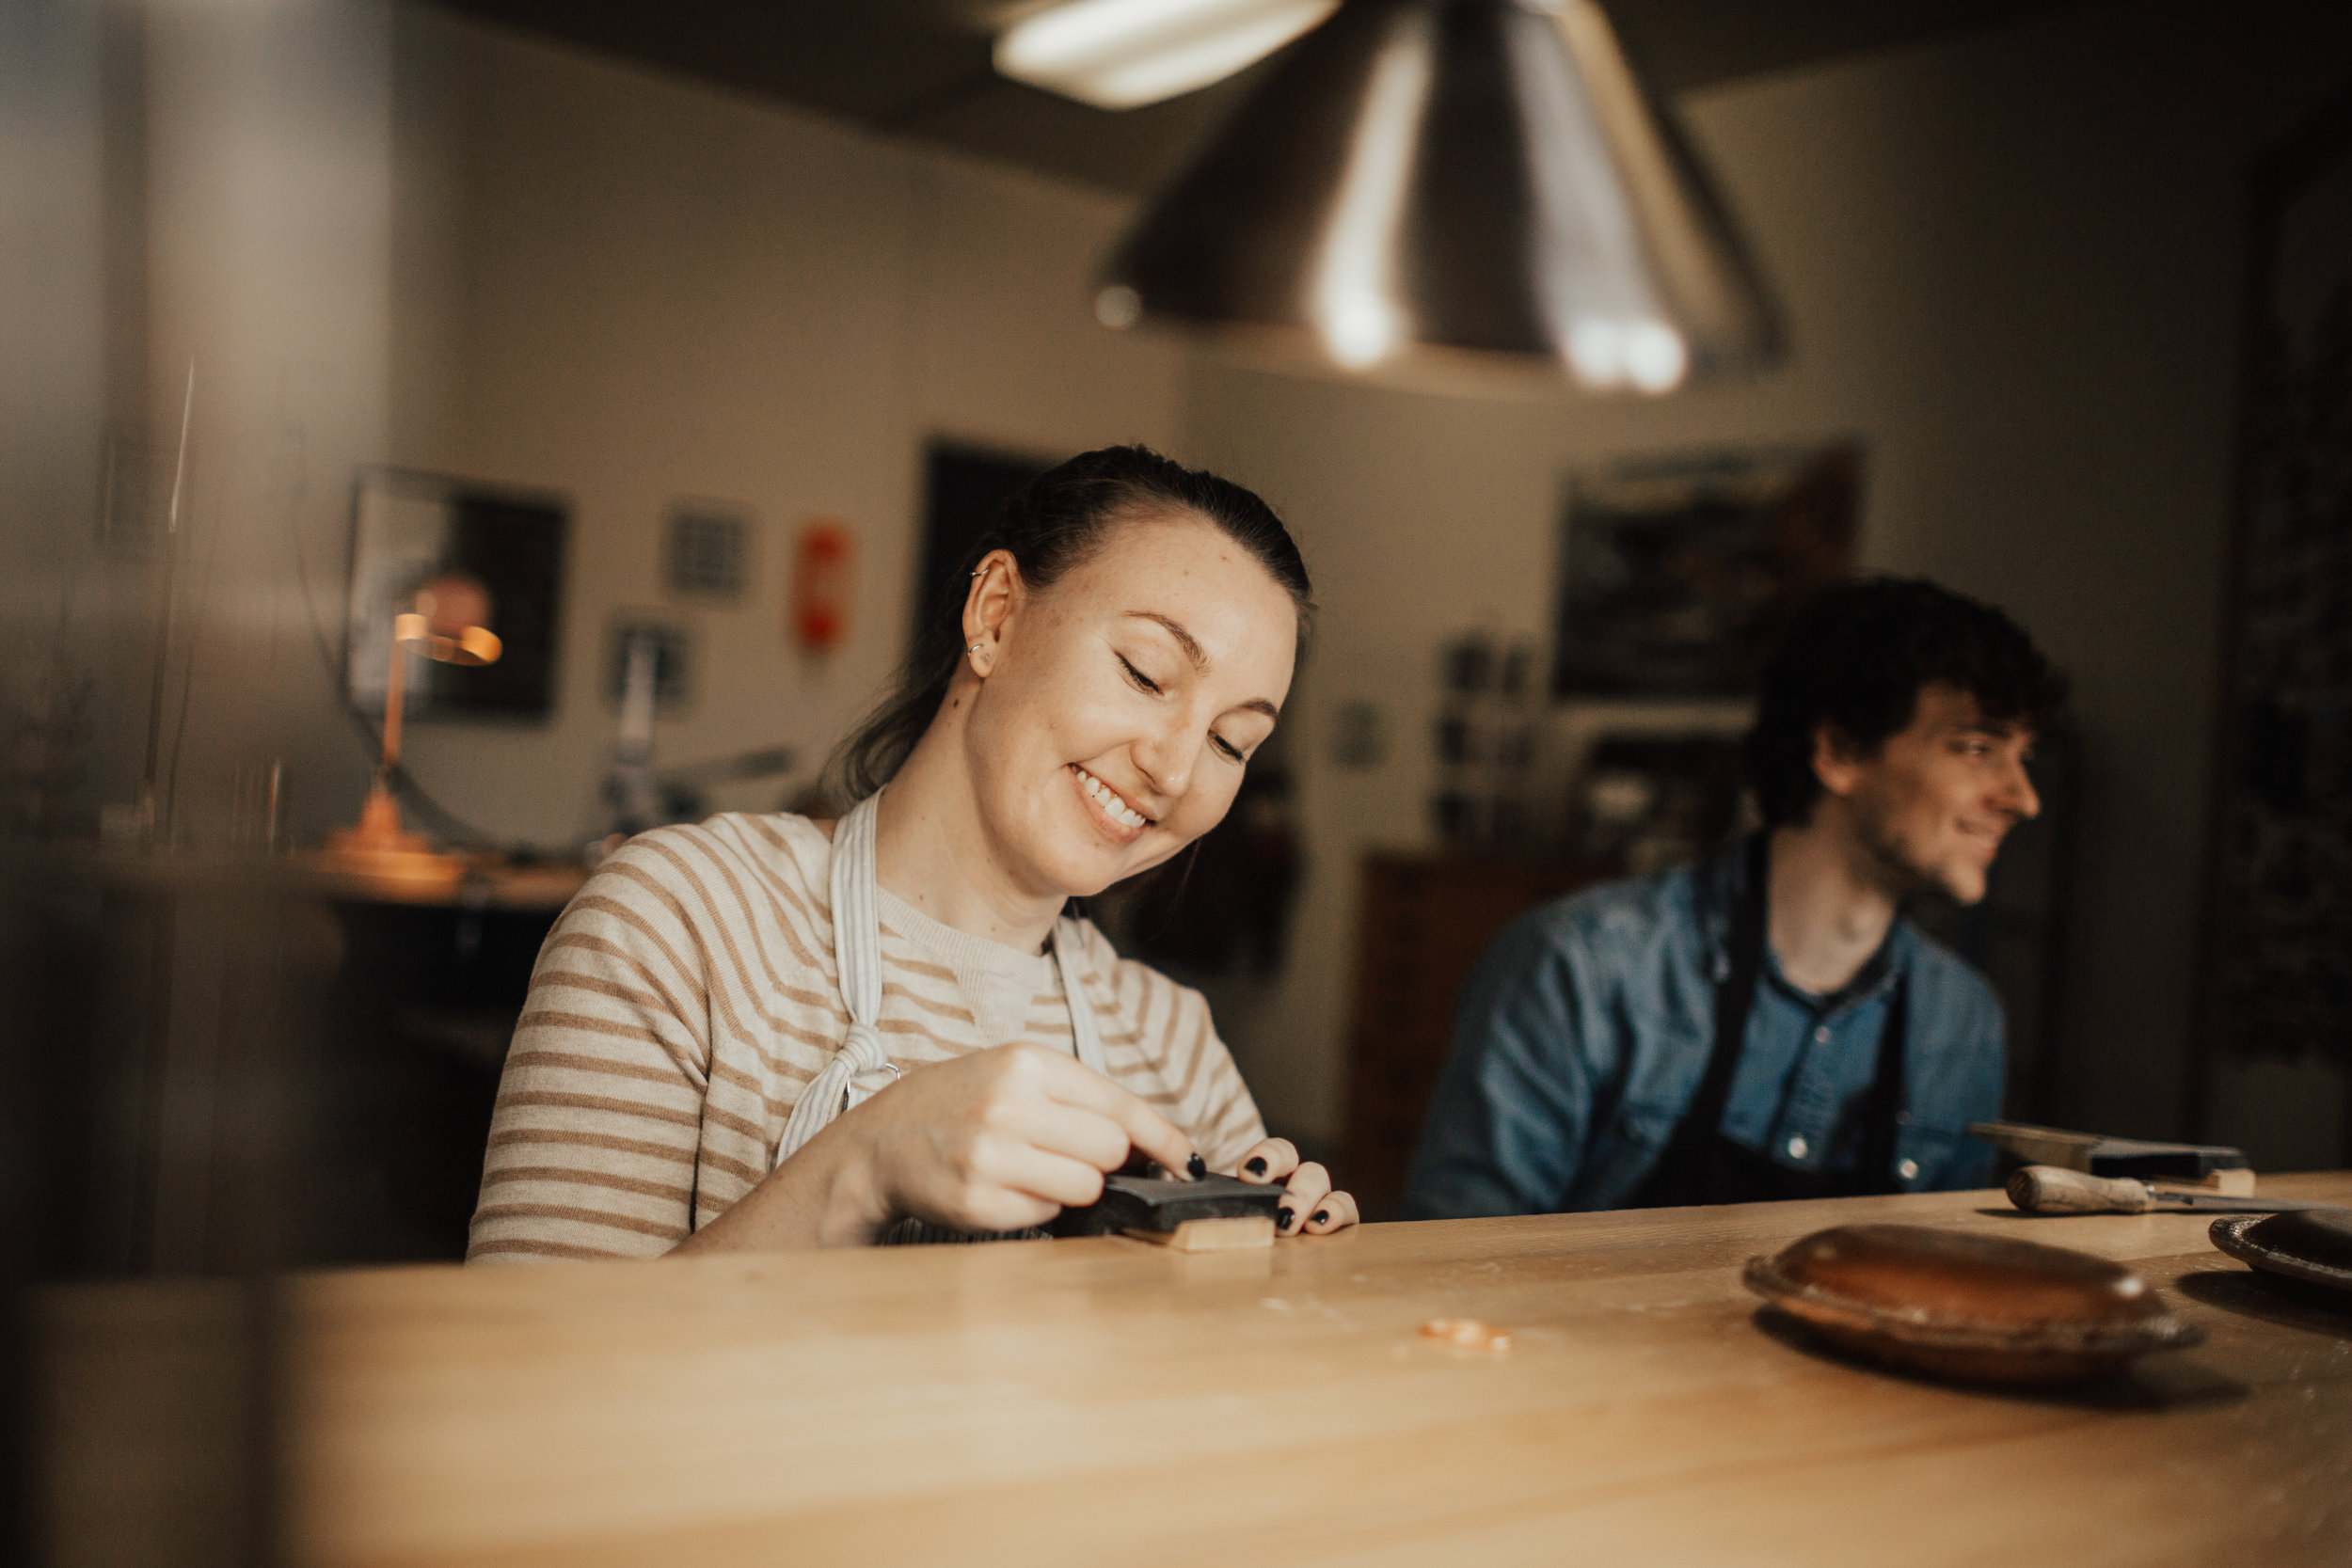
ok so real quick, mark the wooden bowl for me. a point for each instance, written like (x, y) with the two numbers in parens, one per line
(1958, 1304)
(2308, 1251)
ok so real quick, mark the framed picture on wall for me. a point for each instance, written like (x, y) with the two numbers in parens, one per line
(2279, 922)
(409, 528)
(668, 648)
(1678, 574)
(706, 549)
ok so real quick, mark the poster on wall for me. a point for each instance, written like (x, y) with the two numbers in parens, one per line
(1678, 574)
(409, 527)
(2281, 917)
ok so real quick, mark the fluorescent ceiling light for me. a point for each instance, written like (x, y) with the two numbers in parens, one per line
(1123, 54)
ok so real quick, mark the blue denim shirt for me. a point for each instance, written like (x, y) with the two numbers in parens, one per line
(1581, 1039)
(1806, 1069)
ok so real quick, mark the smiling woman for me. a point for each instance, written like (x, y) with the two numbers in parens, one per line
(766, 1032)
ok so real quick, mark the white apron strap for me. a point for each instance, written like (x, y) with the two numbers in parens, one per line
(856, 1071)
(850, 1076)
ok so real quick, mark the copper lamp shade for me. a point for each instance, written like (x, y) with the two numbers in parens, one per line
(1483, 176)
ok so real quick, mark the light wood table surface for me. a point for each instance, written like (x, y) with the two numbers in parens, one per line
(1104, 1403)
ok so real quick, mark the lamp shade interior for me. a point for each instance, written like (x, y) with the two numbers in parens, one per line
(1485, 176)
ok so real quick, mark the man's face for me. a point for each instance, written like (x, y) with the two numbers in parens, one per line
(1932, 805)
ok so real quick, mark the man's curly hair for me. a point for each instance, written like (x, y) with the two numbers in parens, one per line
(1855, 656)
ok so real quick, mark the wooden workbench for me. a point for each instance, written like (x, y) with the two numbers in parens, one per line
(1104, 1403)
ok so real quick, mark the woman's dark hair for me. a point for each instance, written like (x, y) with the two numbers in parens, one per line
(1057, 521)
(1855, 656)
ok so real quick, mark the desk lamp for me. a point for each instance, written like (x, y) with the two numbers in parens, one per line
(445, 623)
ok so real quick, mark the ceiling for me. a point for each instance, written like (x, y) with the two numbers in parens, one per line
(920, 68)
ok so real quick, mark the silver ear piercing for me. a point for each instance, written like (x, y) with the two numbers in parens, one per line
(975, 647)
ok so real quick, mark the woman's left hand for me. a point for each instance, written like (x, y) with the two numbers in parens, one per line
(1310, 1207)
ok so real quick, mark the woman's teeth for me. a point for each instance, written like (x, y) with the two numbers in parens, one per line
(1109, 799)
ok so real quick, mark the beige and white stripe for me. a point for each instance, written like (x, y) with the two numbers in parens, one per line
(688, 994)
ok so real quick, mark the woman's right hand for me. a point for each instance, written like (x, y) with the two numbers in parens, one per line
(1003, 1139)
(996, 1140)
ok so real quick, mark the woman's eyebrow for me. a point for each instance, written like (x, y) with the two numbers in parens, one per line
(1200, 657)
(1184, 640)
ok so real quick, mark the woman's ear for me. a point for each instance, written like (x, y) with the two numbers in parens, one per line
(989, 602)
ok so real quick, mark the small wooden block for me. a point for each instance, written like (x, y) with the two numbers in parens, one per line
(1225, 1235)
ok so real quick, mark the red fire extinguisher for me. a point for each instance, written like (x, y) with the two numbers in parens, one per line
(822, 586)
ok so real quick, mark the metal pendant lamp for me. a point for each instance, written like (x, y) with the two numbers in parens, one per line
(1426, 178)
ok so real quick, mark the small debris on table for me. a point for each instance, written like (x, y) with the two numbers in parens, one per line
(1467, 1334)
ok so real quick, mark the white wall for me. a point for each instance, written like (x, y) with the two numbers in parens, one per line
(2011, 267)
(629, 288)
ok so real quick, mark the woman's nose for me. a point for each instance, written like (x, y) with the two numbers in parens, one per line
(1166, 759)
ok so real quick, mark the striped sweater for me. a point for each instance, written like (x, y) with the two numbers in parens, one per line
(688, 994)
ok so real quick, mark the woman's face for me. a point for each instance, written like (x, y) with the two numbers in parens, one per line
(1119, 705)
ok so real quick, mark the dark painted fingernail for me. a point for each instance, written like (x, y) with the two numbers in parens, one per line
(1282, 1220)
(1196, 1167)
(1323, 1216)
(1256, 1165)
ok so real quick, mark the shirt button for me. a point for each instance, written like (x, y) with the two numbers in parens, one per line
(1797, 1147)
(1822, 1035)
(1908, 1170)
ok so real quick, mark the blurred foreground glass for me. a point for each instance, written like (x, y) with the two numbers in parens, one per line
(1465, 180)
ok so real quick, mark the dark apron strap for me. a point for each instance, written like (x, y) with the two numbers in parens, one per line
(1874, 1165)
(1683, 1175)
(1700, 1165)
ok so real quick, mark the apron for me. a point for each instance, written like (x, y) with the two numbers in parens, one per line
(1700, 1165)
(857, 1071)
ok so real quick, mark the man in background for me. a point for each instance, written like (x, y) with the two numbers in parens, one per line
(1765, 1024)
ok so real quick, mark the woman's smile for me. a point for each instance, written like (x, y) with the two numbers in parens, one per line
(1147, 673)
(1110, 811)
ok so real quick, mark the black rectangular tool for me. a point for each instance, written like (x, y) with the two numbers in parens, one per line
(2089, 1152)
(1160, 1204)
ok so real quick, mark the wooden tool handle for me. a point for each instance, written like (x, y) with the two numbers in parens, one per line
(2053, 1190)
